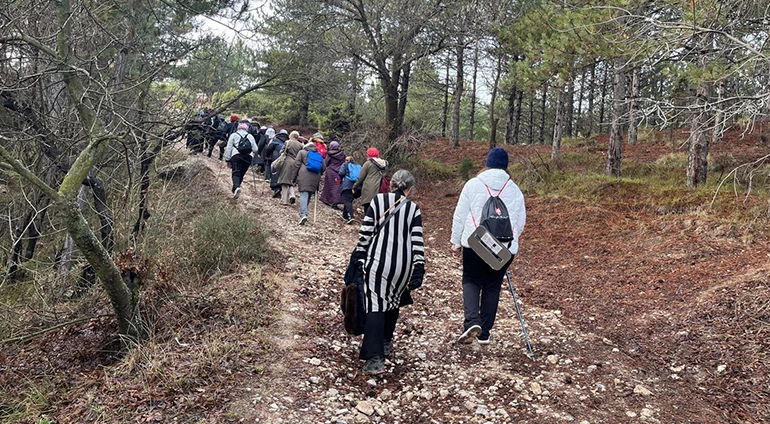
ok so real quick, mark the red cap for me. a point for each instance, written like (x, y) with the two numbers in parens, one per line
(233, 118)
(372, 152)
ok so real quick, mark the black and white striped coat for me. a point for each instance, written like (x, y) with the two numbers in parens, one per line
(391, 251)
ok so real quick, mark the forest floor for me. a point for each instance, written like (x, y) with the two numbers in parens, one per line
(636, 314)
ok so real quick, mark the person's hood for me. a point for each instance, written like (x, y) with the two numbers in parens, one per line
(282, 137)
(270, 133)
(336, 152)
(380, 162)
(494, 178)
(310, 147)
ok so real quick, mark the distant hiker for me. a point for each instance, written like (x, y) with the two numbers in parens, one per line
(232, 126)
(332, 183)
(349, 172)
(259, 161)
(266, 140)
(308, 168)
(238, 154)
(286, 178)
(273, 150)
(320, 144)
(391, 256)
(195, 135)
(370, 178)
(481, 283)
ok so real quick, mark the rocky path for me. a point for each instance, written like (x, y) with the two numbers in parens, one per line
(576, 377)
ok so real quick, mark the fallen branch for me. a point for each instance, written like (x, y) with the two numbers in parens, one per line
(28, 337)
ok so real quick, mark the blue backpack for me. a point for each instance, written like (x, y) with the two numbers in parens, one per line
(353, 170)
(314, 162)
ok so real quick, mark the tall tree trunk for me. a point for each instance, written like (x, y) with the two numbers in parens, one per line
(444, 115)
(403, 95)
(633, 108)
(558, 126)
(719, 119)
(68, 248)
(304, 109)
(543, 110)
(493, 120)
(390, 89)
(517, 123)
(511, 114)
(590, 111)
(603, 102)
(454, 136)
(472, 117)
(353, 88)
(569, 108)
(615, 150)
(697, 161)
(579, 119)
(531, 120)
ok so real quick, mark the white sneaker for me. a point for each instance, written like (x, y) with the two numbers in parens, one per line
(237, 193)
(303, 220)
(470, 335)
(484, 341)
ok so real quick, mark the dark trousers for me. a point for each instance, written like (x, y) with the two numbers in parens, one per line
(378, 330)
(268, 171)
(211, 143)
(481, 292)
(240, 164)
(347, 198)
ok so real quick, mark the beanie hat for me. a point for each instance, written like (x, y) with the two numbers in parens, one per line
(302, 139)
(318, 134)
(233, 118)
(497, 158)
(283, 131)
(372, 152)
(334, 145)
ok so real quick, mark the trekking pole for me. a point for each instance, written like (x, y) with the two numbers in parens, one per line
(521, 319)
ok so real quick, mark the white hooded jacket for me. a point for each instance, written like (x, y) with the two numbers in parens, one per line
(471, 202)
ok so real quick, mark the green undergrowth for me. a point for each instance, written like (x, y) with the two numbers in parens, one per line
(657, 187)
(424, 169)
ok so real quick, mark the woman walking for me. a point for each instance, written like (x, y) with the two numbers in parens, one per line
(390, 254)
(286, 177)
(481, 283)
(331, 194)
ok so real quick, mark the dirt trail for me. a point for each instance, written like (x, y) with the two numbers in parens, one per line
(577, 377)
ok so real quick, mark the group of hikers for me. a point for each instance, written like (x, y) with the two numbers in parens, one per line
(388, 261)
(293, 165)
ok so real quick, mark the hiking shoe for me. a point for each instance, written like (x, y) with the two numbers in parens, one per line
(349, 221)
(302, 220)
(374, 366)
(484, 341)
(277, 195)
(292, 200)
(470, 334)
(388, 348)
(237, 193)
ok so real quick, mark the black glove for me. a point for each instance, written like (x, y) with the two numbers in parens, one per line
(417, 275)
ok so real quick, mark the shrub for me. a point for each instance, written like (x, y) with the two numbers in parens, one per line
(466, 167)
(219, 245)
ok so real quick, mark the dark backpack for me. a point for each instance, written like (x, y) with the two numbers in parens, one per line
(384, 177)
(243, 145)
(277, 147)
(314, 162)
(494, 217)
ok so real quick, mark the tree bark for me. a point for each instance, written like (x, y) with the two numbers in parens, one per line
(68, 247)
(446, 100)
(403, 95)
(543, 104)
(603, 102)
(569, 108)
(697, 161)
(719, 119)
(472, 117)
(517, 119)
(558, 126)
(454, 136)
(578, 120)
(531, 120)
(511, 114)
(633, 108)
(590, 111)
(615, 150)
(493, 120)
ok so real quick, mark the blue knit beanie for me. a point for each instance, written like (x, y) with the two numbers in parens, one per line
(497, 158)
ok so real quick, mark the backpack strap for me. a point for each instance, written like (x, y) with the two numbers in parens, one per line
(391, 211)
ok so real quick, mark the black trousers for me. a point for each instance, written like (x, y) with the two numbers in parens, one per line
(481, 292)
(240, 164)
(347, 198)
(378, 330)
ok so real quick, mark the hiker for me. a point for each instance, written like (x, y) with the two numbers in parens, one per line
(269, 136)
(273, 150)
(320, 144)
(390, 255)
(232, 126)
(370, 178)
(348, 174)
(195, 134)
(481, 283)
(238, 154)
(286, 176)
(308, 168)
(332, 183)
(259, 161)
